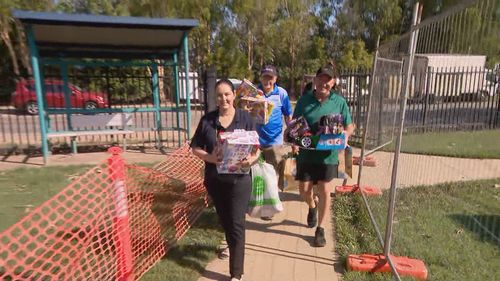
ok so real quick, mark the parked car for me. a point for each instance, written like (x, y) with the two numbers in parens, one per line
(24, 98)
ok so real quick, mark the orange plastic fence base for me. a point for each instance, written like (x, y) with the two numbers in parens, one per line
(377, 263)
(367, 190)
(369, 161)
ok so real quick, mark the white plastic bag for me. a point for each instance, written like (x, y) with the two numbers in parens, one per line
(264, 201)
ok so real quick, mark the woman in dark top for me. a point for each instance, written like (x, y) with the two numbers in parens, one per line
(229, 192)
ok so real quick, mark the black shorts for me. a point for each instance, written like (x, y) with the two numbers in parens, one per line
(316, 172)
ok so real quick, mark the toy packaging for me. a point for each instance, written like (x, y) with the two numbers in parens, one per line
(330, 134)
(248, 90)
(234, 147)
(251, 99)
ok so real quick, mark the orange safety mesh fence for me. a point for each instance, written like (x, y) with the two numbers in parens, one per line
(113, 223)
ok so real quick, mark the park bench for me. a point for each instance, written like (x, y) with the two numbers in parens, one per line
(98, 124)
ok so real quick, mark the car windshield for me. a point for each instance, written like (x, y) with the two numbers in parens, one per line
(77, 88)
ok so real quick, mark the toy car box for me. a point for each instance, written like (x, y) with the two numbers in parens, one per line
(234, 147)
(329, 137)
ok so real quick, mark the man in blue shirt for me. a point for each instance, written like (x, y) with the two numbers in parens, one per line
(271, 134)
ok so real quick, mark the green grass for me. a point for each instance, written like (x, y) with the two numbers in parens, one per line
(187, 260)
(454, 228)
(23, 189)
(479, 144)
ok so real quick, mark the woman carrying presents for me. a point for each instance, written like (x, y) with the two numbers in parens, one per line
(230, 193)
(320, 166)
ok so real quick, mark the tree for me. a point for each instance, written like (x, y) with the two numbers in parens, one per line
(298, 48)
(355, 56)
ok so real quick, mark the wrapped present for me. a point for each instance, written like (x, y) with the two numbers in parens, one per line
(234, 147)
(251, 99)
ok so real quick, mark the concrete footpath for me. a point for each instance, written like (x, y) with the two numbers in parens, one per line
(282, 249)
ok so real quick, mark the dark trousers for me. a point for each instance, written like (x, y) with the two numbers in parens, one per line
(231, 195)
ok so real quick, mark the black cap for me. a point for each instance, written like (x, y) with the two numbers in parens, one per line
(269, 70)
(327, 69)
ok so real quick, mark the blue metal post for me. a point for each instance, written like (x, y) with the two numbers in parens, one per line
(177, 98)
(67, 101)
(188, 97)
(156, 101)
(38, 89)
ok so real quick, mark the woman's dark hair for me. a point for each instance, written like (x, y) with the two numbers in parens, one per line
(224, 81)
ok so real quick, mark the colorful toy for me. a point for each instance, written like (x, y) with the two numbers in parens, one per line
(330, 135)
(251, 99)
(234, 147)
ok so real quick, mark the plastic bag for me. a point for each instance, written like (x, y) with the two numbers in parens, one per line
(264, 201)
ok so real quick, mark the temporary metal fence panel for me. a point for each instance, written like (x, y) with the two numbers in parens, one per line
(445, 106)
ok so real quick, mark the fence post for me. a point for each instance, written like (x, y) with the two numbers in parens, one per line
(121, 227)
(407, 75)
(210, 80)
(426, 97)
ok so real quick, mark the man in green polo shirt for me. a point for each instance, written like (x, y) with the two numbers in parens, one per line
(320, 166)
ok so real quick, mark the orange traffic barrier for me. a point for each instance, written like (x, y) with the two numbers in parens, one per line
(405, 266)
(367, 190)
(369, 161)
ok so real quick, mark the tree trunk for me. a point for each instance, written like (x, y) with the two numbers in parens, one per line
(250, 50)
(4, 35)
(23, 48)
(292, 72)
(161, 84)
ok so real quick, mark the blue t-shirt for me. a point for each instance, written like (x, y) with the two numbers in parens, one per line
(272, 132)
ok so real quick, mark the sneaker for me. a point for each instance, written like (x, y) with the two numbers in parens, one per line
(319, 237)
(237, 279)
(312, 217)
(267, 218)
(224, 254)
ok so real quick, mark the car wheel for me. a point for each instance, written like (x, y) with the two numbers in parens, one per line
(306, 142)
(90, 105)
(31, 108)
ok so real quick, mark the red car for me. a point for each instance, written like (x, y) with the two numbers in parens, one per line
(24, 98)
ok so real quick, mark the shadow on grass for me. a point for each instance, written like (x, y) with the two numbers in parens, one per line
(195, 254)
(485, 228)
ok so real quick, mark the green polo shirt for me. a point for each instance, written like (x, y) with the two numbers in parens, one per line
(312, 110)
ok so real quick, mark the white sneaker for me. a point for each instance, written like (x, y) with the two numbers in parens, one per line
(236, 279)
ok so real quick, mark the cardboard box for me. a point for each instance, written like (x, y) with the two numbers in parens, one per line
(248, 90)
(251, 99)
(332, 142)
(260, 109)
(234, 147)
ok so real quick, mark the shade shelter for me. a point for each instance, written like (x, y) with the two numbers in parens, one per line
(64, 40)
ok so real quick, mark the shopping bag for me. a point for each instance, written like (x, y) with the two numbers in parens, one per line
(345, 163)
(264, 201)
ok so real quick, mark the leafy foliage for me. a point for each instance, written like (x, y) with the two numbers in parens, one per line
(240, 36)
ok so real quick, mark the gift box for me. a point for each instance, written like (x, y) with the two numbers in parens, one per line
(251, 99)
(234, 147)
